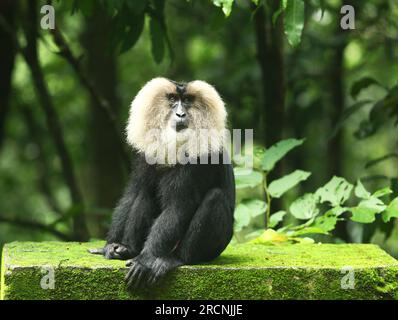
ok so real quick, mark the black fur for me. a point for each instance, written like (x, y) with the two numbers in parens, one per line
(170, 216)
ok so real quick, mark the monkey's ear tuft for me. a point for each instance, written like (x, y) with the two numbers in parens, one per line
(141, 108)
(211, 98)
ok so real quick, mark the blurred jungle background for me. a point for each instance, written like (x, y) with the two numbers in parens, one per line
(286, 69)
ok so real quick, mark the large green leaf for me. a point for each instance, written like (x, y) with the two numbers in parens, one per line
(255, 206)
(226, 5)
(294, 21)
(134, 32)
(363, 215)
(85, 6)
(278, 187)
(246, 178)
(361, 84)
(382, 192)
(366, 211)
(347, 113)
(307, 230)
(305, 207)
(337, 211)
(380, 159)
(157, 39)
(277, 13)
(391, 211)
(335, 192)
(276, 218)
(373, 203)
(241, 216)
(277, 152)
(360, 191)
(270, 236)
(246, 210)
(327, 222)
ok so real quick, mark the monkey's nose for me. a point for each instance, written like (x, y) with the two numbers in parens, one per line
(180, 115)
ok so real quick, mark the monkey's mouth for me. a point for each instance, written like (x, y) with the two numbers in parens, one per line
(181, 126)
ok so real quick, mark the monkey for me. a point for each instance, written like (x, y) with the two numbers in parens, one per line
(177, 210)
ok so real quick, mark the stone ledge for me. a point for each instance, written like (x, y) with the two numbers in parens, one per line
(306, 271)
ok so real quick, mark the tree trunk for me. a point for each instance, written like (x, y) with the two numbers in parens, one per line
(106, 174)
(7, 56)
(335, 149)
(269, 40)
(53, 123)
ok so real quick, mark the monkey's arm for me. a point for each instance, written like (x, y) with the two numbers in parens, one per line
(113, 248)
(121, 213)
(168, 229)
(166, 232)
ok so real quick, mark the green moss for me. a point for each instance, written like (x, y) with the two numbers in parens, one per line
(2, 278)
(242, 272)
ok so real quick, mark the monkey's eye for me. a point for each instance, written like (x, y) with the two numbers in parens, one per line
(172, 97)
(188, 99)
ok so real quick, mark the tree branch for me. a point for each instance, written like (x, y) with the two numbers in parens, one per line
(30, 55)
(42, 163)
(32, 59)
(100, 101)
(7, 60)
(36, 225)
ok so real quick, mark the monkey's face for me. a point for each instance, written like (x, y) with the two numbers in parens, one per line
(180, 111)
(180, 104)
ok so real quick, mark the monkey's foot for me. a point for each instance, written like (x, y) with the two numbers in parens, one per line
(140, 274)
(137, 276)
(161, 267)
(113, 251)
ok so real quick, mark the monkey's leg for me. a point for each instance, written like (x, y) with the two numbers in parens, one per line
(138, 223)
(113, 248)
(209, 232)
(132, 219)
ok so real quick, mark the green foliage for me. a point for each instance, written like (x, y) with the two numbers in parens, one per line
(305, 207)
(247, 210)
(278, 187)
(282, 7)
(319, 211)
(245, 178)
(294, 21)
(128, 20)
(276, 218)
(361, 84)
(277, 152)
(382, 110)
(226, 5)
(391, 211)
(335, 192)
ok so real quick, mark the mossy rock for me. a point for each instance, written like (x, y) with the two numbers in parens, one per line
(301, 271)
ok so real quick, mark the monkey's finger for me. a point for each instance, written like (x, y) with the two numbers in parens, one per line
(134, 278)
(129, 273)
(153, 278)
(96, 251)
(140, 279)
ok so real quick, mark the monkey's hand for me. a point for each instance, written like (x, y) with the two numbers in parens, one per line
(140, 271)
(113, 251)
(148, 270)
